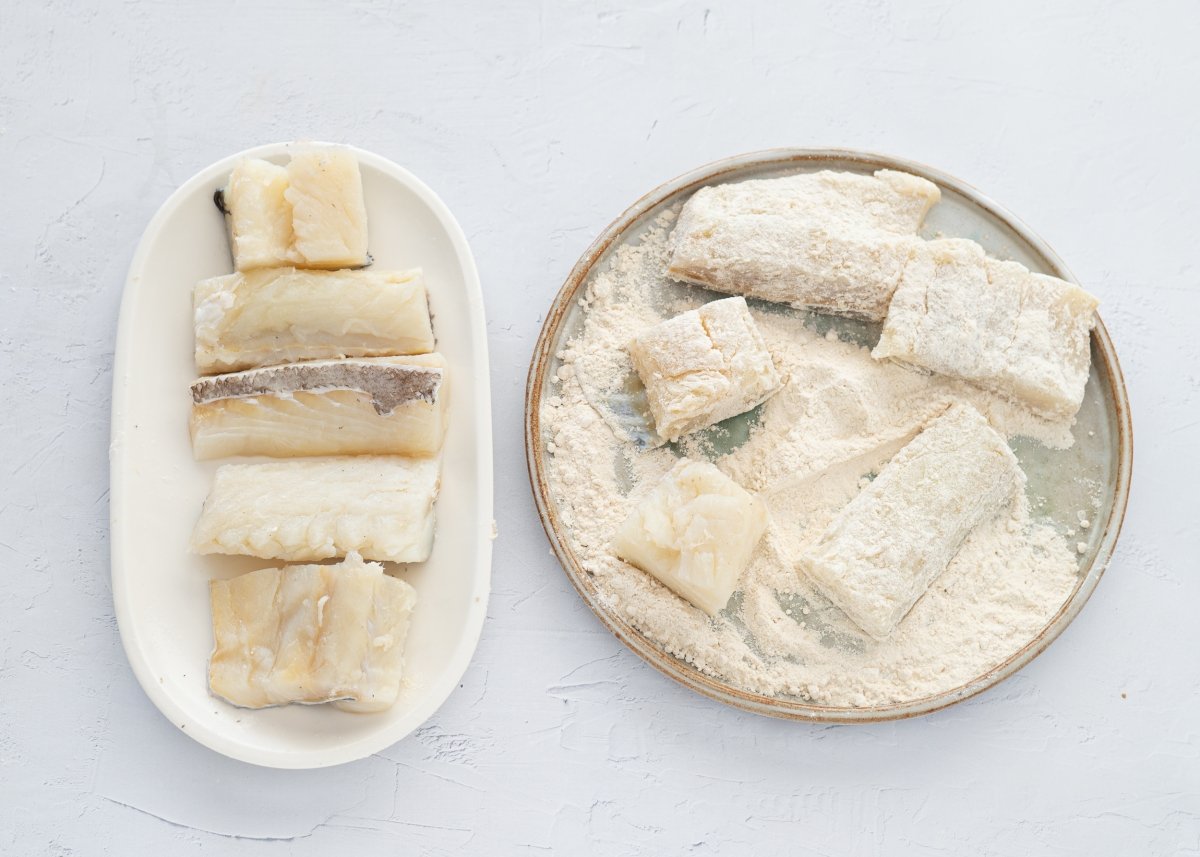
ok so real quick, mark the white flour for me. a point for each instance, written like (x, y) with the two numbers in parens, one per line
(840, 416)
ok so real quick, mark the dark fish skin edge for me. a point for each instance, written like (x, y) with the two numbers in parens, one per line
(388, 385)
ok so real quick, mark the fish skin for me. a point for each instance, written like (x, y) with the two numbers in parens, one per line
(377, 406)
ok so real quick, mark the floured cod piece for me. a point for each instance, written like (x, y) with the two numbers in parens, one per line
(996, 324)
(703, 366)
(310, 633)
(827, 241)
(372, 406)
(309, 214)
(304, 510)
(279, 315)
(694, 532)
(886, 546)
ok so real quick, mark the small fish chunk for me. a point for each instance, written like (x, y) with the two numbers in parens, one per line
(703, 366)
(310, 509)
(279, 315)
(995, 324)
(309, 214)
(828, 241)
(329, 218)
(373, 406)
(887, 545)
(311, 634)
(259, 215)
(694, 532)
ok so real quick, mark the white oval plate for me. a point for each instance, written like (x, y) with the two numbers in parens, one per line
(161, 591)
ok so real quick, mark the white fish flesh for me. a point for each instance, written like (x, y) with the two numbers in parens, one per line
(309, 214)
(312, 509)
(310, 633)
(373, 406)
(329, 218)
(279, 315)
(695, 532)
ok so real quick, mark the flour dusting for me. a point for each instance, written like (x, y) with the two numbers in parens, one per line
(839, 418)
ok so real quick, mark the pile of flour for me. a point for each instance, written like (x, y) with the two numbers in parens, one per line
(839, 418)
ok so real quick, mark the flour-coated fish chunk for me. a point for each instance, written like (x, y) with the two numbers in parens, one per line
(887, 545)
(828, 241)
(996, 324)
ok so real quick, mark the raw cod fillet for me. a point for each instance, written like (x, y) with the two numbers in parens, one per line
(258, 215)
(372, 406)
(305, 510)
(829, 241)
(310, 633)
(279, 315)
(309, 214)
(887, 545)
(329, 218)
(694, 532)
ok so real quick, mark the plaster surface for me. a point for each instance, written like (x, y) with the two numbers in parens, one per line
(538, 123)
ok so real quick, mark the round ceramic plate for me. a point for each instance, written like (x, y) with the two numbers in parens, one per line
(161, 591)
(1102, 454)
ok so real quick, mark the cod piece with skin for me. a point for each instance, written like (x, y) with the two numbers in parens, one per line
(887, 545)
(694, 532)
(371, 406)
(995, 324)
(703, 366)
(309, 214)
(381, 506)
(279, 315)
(258, 215)
(827, 241)
(311, 634)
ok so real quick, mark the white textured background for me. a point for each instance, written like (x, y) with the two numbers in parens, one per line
(538, 123)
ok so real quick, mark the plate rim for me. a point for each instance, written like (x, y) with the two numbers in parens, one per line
(714, 688)
(437, 692)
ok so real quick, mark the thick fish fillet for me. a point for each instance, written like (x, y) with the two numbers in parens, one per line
(829, 241)
(703, 366)
(279, 315)
(887, 545)
(310, 633)
(373, 406)
(995, 324)
(309, 214)
(304, 510)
